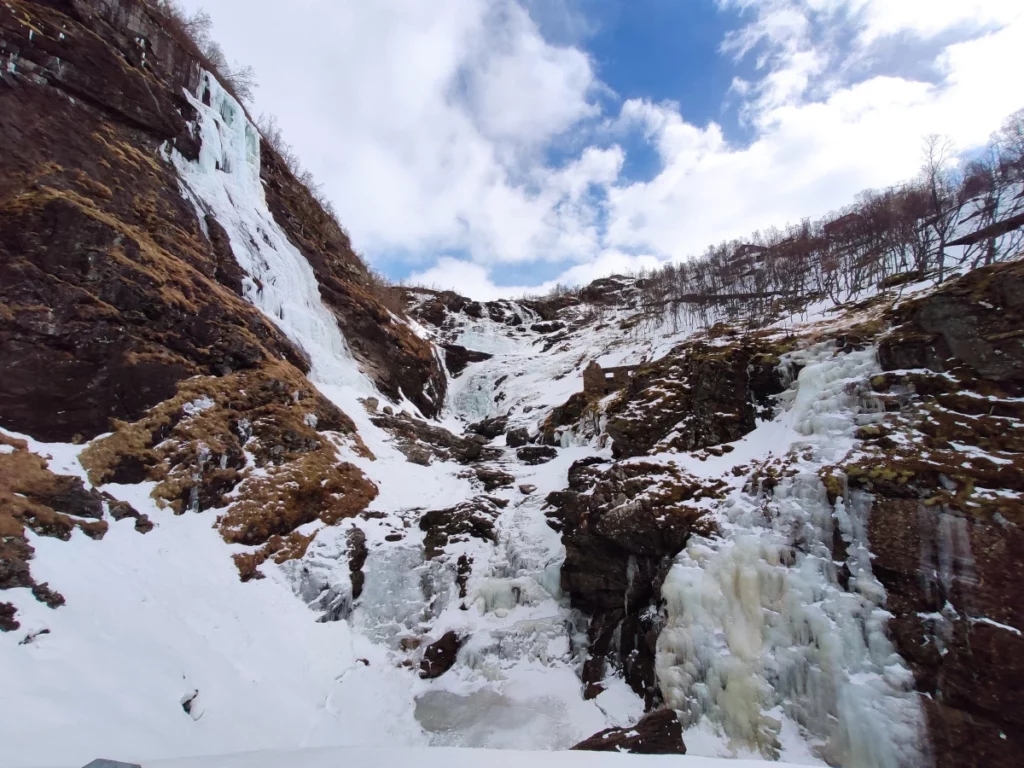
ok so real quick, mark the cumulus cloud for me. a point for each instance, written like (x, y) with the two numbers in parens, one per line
(474, 280)
(432, 125)
(817, 143)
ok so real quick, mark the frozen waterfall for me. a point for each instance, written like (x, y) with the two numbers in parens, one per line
(759, 626)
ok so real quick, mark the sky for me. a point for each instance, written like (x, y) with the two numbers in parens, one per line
(499, 147)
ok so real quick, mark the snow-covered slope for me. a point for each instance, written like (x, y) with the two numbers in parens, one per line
(449, 758)
(769, 623)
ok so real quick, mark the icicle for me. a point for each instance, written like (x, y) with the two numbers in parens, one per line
(757, 620)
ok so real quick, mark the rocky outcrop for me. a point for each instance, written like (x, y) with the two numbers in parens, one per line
(621, 525)
(457, 358)
(490, 428)
(492, 478)
(473, 518)
(252, 442)
(33, 498)
(422, 443)
(536, 454)
(517, 438)
(975, 322)
(947, 472)
(658, 733)
(696, 397)
(439, 656)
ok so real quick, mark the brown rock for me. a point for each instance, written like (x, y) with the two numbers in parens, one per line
(658, 733)
(621, 526)
(517, 438)
(439, 656)
(536, 454)
(493, 478)
(472, 518)
(700, 394)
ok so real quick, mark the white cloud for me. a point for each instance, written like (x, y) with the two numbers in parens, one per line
(813, 151)
(423, 120)
(430, 124)
(475, 280)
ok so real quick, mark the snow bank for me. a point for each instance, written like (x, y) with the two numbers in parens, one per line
(153, 621)
(452, 758)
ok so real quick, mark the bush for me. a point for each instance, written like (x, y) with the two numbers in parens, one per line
(194, 34)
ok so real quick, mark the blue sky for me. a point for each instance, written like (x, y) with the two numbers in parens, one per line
(499, 146)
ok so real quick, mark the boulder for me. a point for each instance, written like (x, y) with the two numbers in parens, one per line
(517, 438)
(472, 518)
(493, 478)
(490, 428)
(526, 489)
(536, 454)
(439, 656)
(547, 327)
(658, 733)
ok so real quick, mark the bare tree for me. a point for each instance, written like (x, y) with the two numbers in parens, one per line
(939, 183)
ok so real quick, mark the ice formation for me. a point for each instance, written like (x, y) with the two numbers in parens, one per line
(225, 182)
(759, 626)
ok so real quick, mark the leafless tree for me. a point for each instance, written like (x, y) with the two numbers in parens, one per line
(940, 185)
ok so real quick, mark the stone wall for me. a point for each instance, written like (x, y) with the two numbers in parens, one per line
(601, 381)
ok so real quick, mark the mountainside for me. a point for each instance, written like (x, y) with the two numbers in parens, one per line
(244, 505)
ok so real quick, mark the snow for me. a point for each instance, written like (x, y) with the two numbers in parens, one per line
(149, 620)
(451, 758)
(760, 634)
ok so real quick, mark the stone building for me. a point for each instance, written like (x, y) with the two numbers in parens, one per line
(601, 381)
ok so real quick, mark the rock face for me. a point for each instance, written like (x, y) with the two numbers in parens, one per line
(113, 291)
(658, 733)
(122, 310)
(398, 361)
(698, 396)
(974, 322)
(945, 547)
(621, 526)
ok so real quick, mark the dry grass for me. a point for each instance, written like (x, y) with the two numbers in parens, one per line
(249, 444)
(27, 488)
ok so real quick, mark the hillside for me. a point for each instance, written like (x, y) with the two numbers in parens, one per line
(246, 506)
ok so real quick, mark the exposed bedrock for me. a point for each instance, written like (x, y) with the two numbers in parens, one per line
(621, 526)
(113, 289)
(698, 396)
(947, 527)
